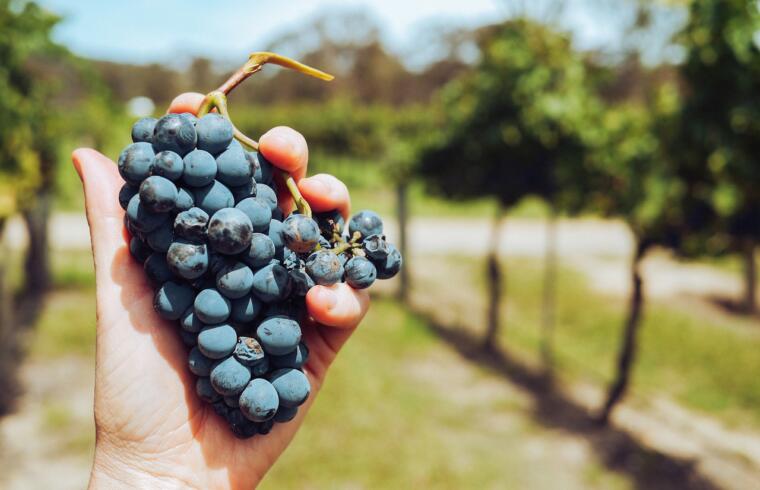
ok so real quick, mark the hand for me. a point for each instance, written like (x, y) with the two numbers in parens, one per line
(152, 430)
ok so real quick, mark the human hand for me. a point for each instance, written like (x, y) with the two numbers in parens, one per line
(152, 431)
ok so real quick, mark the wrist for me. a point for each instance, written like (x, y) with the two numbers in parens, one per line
(116, 469)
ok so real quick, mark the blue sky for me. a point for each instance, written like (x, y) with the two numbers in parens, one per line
(142, 31)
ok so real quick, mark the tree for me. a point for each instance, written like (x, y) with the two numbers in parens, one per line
(511, 129)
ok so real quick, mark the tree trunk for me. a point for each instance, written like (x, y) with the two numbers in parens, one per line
(8, 334)
(494, 284)
(37, 263)
(549, 297)
(748, 252)
(627, 353)
(402, 212)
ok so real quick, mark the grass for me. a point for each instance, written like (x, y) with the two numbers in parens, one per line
(707, 362)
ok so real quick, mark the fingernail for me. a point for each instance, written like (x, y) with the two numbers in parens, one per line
(281, 139)
(326, 297)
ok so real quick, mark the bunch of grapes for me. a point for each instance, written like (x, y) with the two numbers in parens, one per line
(230, 268)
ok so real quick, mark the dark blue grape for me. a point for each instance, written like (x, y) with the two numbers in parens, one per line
(217, 341)
(190, 321)
(168, 164)
(266, 426)
(272, 283)
(292, 386)
(191, 118)
(360, 273)
(229, 231)
(161, 238)
(260, 369)
(173, 299)
(234, 169)
(135, 162)
(175, 133)
(229, 377)
(376, 247)
(367, 223)
(324, 267)
(244, 191)
(302, 282)
(263, 171)
(278, 214)
(294, 360)
(213, 197)
(191, 225)
(187, 260)
(200, 168)
(285, 414)
(211, 307)
(189, 339)
(158, 194)
(215, 133)
(267, 195)
(199, 364)
(261, 251)
(157, 270)
(301, 233)
(232, 401)
(185, 199)
(220, 408)
(330, 222)
(126, 193)
(259, 400)
(139, 249)
(245, 309)
(206, 392)
(141, 218)
(235, 281)
(391, 265)
(142, 130)
(279, 335)
(257, 211)
(248, 351)
(275, 234)
(241, 426)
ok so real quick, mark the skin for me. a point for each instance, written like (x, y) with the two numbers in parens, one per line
(151, 429)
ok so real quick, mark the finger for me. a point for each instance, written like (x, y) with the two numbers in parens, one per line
(101, 182)
(187, 102)
(325, 193)
(338, 305)
(286, 148)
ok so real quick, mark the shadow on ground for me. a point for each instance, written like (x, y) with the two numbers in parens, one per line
(615, 449)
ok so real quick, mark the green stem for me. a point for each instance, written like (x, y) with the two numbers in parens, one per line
(301, 204)
(343, 247)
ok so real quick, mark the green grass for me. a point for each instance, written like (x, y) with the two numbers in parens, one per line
(707, 362)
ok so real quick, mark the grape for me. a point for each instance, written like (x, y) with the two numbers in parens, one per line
(292, 386)
(285, 414)
(158, 194)
(168, 164)
(330, 222)
(142, 130)
(257, 211)
(301, 233)
(324, 267)
(200, 168)
(211, 307)
(199, 364)
(261, 251)
(234, 169)
(189, 117)
(241, 426)
(229, 377)
(244, 191)
(125, 195)
(190, 321)
(173, 299)
(139, 249)
(272, 283)
(187, 260)
(157, 270)
(259, 400)
(391, 265)
(191, 225)
(141, 218)
(185, 200)
(214, 133)
(189, 339)
(261, 368)
(376, 247)
(206, 392)
(302, 282)
(135, 161)
(214, 197)
(275, 234)
(267, 195)
(248, 351)
(245, 309)
(360, 273)
(229, 231)
(220, 408)
(161, 238)
(365, 222)
(279, 335)
(217, 341)
(235, 281)
(295, 359)
(232, 401)
(263, 170)
(265, 427)
(175, 133)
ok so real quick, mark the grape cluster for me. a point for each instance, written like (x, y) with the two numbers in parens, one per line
(231, 268)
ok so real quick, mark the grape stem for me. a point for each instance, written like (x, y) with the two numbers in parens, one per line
(217, 99)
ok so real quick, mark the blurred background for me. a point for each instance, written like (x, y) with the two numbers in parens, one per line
(572, 184)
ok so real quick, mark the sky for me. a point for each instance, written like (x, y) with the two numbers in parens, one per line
(172, 31)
